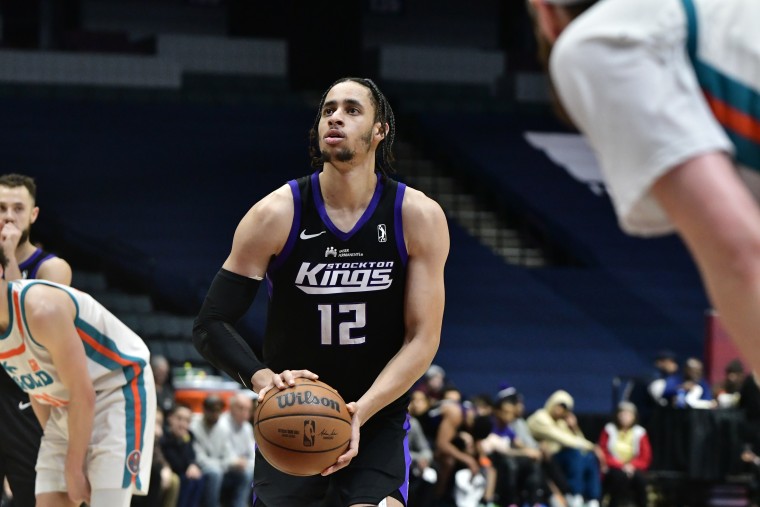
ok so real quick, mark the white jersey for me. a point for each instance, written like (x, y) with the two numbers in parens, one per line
(121, 445)
(116, 356)
(654, 83)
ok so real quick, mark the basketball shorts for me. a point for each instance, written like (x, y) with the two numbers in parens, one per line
(19, 445)
(379, 470)
(120, 452)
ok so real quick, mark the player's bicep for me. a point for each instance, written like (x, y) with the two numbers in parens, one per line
(428, 245)
(261, 234)
(55, 270)
(50, 318)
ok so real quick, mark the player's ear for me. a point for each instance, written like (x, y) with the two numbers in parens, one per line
(381, 130)
(35, 213)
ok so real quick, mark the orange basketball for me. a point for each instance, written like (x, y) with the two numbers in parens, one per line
(303, 429)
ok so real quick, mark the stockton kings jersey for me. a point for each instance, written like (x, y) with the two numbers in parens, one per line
(116, 356)
(336, 299)
(29, 269)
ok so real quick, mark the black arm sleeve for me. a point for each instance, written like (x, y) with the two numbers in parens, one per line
(214, 335)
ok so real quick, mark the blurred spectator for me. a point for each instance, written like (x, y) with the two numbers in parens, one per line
(749, 403)
(627, 455)
(689, 389)
(726, 393)
(451, 393)
(518, 466)
(666, 365)
(447, 419)
(422, 476)
(474, 488)
(165, 399)
(164, 483)
(753, 465)
(483, 404)
(177, 446)
(237, 424)
(213, 450)
(556, 428)
(433, 382)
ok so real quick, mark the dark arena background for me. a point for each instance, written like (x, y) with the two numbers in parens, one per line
(152, 126)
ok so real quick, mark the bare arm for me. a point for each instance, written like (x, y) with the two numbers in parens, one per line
(50, 316)
(262, 234)
(451, 419)
(56, 270)
(427, 236)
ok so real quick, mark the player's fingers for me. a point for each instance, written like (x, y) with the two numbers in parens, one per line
(284, 379)
(305, 374)
(342, 462)
(263, 391)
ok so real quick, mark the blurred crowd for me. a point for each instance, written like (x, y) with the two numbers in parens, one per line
(484, 451)
(466, 451)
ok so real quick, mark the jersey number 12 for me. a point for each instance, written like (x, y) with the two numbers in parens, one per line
(344, 328)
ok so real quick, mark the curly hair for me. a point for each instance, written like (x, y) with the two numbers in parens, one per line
(383, 113)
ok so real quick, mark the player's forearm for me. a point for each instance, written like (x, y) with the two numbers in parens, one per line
(81, 411)
(398, 376)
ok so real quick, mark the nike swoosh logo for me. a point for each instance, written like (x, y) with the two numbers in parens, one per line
(309, 236)
(24, 406)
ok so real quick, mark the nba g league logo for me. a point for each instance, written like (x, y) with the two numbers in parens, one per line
(382, 234)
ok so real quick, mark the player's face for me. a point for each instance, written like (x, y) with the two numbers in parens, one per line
(347, 129)
(17, 208)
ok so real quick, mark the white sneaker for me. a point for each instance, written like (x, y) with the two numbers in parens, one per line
(592, 503)
(574, 501)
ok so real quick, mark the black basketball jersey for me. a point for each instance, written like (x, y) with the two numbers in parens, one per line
(336, 299)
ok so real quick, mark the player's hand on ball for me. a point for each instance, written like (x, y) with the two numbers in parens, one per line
(353, 446)
(264, 380)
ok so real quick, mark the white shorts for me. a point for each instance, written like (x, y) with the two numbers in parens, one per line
(121, 448)
(623, 73)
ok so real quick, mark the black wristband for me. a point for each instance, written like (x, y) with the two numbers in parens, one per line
(214, 334)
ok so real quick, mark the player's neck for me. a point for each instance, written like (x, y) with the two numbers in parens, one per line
(348, 190)
(24, 251)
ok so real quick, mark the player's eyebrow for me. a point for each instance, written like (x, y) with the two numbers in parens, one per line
(346, 102)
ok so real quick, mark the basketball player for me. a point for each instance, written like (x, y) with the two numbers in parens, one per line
(668, 94)
(18, 211)
(90, 385)
(354, 267)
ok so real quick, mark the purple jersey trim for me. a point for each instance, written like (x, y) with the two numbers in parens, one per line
(399, 223)
(292, 236)
(320, 203)
(33, 260)
(404, 489)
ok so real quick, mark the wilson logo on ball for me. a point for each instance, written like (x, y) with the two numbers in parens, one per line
(306, 398)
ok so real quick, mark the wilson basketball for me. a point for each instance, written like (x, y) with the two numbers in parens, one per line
(303, 429)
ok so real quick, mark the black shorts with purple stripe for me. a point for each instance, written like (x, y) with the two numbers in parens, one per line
(380, 470)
